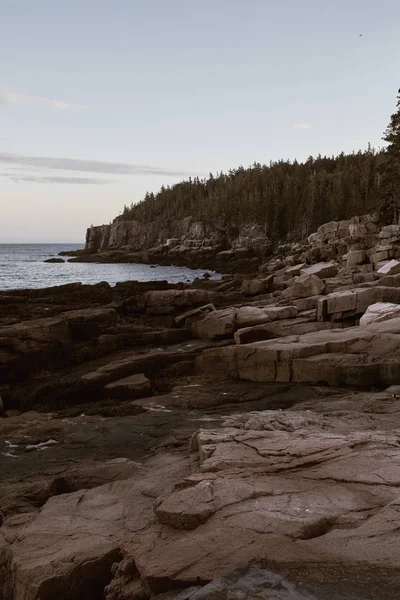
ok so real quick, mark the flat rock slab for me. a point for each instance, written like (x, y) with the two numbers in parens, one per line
(314, 490)
(362, 356)
(322, 270)
(135, 386)
(381, 311)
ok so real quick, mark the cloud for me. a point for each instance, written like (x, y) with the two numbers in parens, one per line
(57, 179)
(7, 97)
(88, 166)
(302, 125)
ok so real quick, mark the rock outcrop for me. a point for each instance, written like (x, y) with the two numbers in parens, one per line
(233, 438)
(356, 242)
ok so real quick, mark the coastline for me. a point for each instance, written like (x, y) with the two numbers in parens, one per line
(254, 416)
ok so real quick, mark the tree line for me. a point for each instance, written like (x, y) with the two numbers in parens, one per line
(286, 198)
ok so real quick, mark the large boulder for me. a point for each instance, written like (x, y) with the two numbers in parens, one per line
(322, 270)
(305, 286)
(295, 270)
(354, 258)
(277, 313)
(196, 314)
(252, 287)
(217, 323)
(354, 302)
(390, 268)
(381, 311)
(251, 315)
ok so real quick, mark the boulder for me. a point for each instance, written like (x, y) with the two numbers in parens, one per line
(390, 231)
(355, 257)
(381, 311)
(354, 302)
(135, 386)
(278, 329)
(322, 270)
(357, 230)
(276, 313)
(380, 253)
(252, 287)
(307, 303)
(252, 583)
(196, 314)
(251, 315)
(54, 260)
(295, 270)
(390, 268)
(217, 323)
(305, 286)
(167, 301)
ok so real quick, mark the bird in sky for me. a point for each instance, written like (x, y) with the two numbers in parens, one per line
(360, 34)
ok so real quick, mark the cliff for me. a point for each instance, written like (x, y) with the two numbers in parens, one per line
(190, 243)
(185, 241)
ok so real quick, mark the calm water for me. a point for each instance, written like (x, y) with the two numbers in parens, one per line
(22, 266)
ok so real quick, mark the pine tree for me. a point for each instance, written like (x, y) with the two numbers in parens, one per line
(390, 170)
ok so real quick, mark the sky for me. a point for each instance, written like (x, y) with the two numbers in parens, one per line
(102, 100)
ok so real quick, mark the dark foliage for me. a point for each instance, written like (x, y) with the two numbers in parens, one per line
(285, 198)
(390, 171)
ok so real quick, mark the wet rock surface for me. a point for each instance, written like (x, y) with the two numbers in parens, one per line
(223, 440)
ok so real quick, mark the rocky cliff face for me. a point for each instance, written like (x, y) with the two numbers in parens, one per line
(192, 243)
(185, 242)
(141, 236)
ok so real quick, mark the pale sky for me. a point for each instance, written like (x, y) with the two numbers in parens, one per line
(101, 100)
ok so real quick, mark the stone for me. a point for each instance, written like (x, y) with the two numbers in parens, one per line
(135, 386)
(390, 268)
(251, 315)
(252, 583)
(167, 301)
(278, 329)
(380, 253)
(288, 482)
(355, 301)
(276, 313)
(306, 303)
(357, 230)
(361, 356)
(149, 363)
(54, 260)
(295, 270)
(394, 390)
(216, 324)
(355, 257)
(339, 302)
(389, 231)
(252, 287)
(189, 317)
(322, 270)
(305, 286)
(381, 311)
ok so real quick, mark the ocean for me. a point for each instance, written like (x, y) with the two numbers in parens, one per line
(23, 266)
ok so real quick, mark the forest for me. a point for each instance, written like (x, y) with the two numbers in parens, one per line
(288, 199)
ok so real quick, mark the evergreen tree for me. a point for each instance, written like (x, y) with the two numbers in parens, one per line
(390, 171)
(283, 198)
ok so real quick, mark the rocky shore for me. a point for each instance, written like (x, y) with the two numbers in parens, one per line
(216, 440)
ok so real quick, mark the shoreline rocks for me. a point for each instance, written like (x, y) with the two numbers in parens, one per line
(220, 438)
